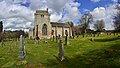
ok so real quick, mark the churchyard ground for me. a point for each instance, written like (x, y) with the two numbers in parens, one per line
(102, 52)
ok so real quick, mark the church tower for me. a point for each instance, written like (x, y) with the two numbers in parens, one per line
(42, 24)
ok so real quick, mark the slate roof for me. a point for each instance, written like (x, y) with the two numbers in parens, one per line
(54, 24)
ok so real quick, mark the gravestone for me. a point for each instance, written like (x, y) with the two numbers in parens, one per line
(83, 35)
(57, 39)
(107, 33)
(53, 37)
(2, 43)
(39, 42)
(91, 39)
(61, 51)
(66, 38)
(114, 34)
(73, 36)
(45, 40)
(34, 41)
(93, 35)
(21, 52)
(110, 33)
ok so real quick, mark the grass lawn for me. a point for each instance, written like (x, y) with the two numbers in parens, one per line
(103, 52)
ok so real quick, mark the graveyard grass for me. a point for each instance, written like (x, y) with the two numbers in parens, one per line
(103, 52)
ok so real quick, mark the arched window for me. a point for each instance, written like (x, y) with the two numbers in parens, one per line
(44, 30)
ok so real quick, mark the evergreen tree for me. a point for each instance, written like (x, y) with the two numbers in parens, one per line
(1, 26)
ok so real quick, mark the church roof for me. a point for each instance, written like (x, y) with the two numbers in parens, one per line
(54, 24)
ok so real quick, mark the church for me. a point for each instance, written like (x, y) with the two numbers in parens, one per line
(43, 28)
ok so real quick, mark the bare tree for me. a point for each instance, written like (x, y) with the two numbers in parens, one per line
(117, 17)
(85, 20)
(99, 25)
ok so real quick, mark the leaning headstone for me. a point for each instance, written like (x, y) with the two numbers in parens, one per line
(61, 51)
(21, 52)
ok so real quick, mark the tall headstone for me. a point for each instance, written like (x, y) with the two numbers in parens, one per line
(66, 38)
(61, 50)
(21, 52)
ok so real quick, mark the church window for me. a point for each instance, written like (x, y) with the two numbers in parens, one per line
(44, 29)
(42, 16)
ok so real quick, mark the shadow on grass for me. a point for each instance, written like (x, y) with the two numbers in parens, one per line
(99, 58)
(107, 39)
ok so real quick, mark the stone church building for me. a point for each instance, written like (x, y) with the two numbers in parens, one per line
(44, 28)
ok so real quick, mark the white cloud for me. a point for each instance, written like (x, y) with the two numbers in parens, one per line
(106, 14)
(95, 1)
(55, 17)
(99, 12)
(115, 0)
(16, 16)
(72, 11)
(37, 4)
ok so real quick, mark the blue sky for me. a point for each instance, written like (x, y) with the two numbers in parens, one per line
(90, 5)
